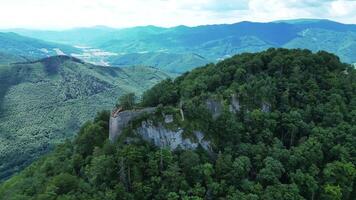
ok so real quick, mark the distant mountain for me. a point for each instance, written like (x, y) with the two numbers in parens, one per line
(8, 58)
(300, 21)
(30, 49)
(342, 43)
(44, 102)
(161, 60)
(77, 36)
(214, 42)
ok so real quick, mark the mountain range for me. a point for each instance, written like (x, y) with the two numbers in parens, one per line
(22, 48)
(53, 81)
(194, 46)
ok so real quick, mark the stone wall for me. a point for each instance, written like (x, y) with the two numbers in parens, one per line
(120, 120)
(173, 139)
(157, 134)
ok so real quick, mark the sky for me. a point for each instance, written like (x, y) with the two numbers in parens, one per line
(63, 14)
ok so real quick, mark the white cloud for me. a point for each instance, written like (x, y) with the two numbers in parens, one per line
(124, 13)
(343, 8)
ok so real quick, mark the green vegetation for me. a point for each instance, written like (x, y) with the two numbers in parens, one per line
(43, 103)
(172, 62)
(341, 43)
(127, 101)
(26, 48)
(7, 58)
(292, 138)
(181, 48)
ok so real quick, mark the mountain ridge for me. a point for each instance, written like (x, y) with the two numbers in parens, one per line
(31, 48)
(274, 125)
(44, 102)
(214, 42)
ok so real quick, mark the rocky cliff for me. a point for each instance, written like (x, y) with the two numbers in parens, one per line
(173, 139)
(157, 134)
(215, 107)
(118, 121)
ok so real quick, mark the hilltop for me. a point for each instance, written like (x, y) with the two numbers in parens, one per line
(275, 125)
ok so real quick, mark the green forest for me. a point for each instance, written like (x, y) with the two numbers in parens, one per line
(292, 138)
(44, 102)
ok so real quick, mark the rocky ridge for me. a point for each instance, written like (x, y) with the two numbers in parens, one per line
(159, 134)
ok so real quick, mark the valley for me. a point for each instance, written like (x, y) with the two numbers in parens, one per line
(182, 48)
(44, 102)
(94, 56)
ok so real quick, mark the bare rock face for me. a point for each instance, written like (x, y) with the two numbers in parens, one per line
(158, 134)
(266, 107)
(173, 139)
(168, 119)
(204, 143)
(215, 107)
(120, 120)
(235, 104)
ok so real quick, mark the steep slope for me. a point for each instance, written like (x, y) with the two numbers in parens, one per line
(20, 46)
(8, 58)
(341, 43)
(44, 102)
(280, 125)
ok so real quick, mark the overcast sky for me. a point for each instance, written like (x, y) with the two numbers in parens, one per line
(61, 14)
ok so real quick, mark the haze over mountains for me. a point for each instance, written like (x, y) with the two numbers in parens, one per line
(25, 48)
(194, 46)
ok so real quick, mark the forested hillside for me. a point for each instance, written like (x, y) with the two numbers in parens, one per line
(287, 131)
(44, 102)
(8, 58)
(25, 48)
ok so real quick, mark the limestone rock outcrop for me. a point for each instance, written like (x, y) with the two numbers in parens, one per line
(215, 107)
(266, 107)
(118, 121)
(234, 105)
(159, 135)
(173, 139)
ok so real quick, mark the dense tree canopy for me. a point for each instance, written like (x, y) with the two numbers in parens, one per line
(126, 101)
(293, 137)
